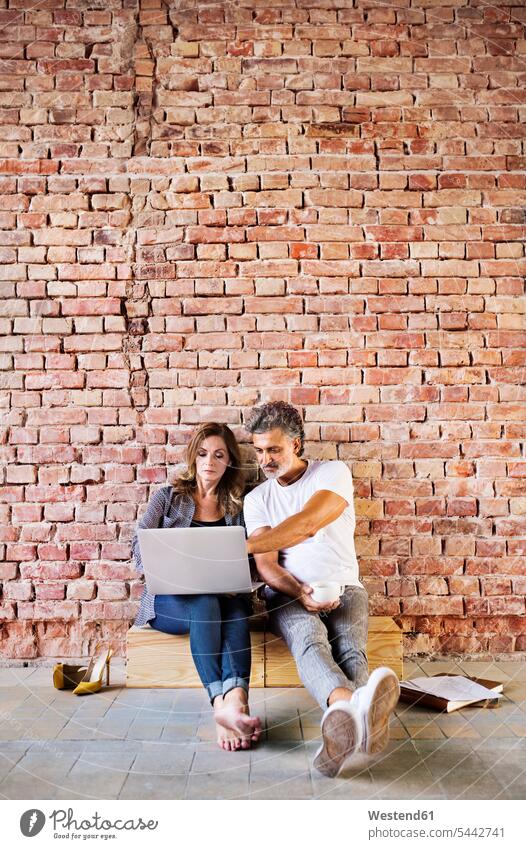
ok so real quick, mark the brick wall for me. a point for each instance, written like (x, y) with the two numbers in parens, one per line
(209, 204)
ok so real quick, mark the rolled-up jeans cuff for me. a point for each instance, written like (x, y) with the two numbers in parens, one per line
(231, 683)
(214, 689)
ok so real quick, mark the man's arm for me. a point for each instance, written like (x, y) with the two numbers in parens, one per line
(279, 579)
(321, 509)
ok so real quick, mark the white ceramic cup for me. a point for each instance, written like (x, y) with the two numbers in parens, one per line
(324, 592)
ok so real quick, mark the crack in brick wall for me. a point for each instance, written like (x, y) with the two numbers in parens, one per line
(209, 204)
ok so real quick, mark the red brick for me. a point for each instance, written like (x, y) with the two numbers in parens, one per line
(433, 605)
(53, 610)
(50, 591)
(496, 586)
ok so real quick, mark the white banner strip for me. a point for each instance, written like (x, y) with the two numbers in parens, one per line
(261, 824)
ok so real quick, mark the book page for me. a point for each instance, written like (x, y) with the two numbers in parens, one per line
(409, 685)
(454, 688)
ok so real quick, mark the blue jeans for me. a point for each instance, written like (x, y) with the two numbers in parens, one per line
(219, 636)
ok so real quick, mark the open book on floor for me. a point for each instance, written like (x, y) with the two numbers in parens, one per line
(449, 692)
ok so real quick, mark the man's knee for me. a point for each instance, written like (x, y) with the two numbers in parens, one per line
(345, 653)
(303, 640)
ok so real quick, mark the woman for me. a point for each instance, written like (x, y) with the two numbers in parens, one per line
(207, 494)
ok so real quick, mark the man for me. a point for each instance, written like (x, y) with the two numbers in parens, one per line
(300, 524)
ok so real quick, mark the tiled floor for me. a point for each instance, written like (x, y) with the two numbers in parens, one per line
(159, 744)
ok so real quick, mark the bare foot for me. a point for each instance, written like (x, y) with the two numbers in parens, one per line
(235, 718)
(227, 739)
(232, 713)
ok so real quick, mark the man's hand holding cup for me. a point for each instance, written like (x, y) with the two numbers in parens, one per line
(321, 596)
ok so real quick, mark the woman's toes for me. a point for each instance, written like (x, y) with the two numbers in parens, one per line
(237, 726)
(228, 739)
(255, 724)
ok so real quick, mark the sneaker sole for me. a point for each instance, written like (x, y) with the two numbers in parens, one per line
(383, 701)
(340, 740)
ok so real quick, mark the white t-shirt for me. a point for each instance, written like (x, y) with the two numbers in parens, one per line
(329, 554)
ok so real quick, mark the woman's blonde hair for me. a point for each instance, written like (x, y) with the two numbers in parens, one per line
(231, 486)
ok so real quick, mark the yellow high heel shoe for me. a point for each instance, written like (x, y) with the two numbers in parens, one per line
(92, 680)
(67, 676)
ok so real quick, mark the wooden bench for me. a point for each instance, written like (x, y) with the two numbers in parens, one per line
(154, 659)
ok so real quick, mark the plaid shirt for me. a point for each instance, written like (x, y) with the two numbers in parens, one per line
(166, 509)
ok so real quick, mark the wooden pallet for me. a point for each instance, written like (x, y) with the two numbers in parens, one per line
(155, 659)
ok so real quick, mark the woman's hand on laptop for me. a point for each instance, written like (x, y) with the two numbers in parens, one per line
(315, 606)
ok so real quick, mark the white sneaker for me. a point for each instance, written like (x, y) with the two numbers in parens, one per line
(375, 703)
(341, 730)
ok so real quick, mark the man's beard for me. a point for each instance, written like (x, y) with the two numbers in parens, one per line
(272, 473)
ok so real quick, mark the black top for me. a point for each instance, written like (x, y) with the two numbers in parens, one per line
(217, 523)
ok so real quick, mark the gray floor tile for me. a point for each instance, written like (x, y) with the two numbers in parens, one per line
(102, 772)
(40, 774)
(168, 759)
(281, 786)
(11, 754)
(354, 783)
(216, 785)
(154, 787)
(398, 772)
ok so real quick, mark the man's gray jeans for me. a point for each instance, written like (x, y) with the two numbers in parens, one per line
(329, 648)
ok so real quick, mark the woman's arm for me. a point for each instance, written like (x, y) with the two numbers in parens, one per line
(150, 519)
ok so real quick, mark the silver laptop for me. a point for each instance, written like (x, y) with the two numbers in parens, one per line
(190, 561)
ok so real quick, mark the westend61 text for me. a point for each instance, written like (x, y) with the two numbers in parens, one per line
(400, 815)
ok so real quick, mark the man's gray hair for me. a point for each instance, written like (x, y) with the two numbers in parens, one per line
(277, 414)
